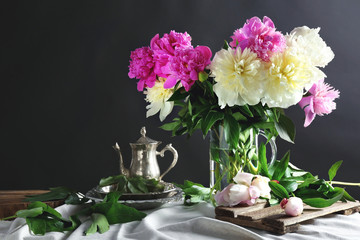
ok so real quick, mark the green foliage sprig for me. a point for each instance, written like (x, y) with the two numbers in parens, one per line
(41, 218)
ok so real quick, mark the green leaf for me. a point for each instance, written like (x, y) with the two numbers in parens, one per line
(194, 192)
(333, 169)
(290, 186)
(203, 76)
(209, 121)
(118, 213)
(57, 193)
(281, 168)
(286, 128)
(29, 212)
(278, 190)
(112, 197)
(263, 160)
(112, 180)
(139, 183)
(100, 222)
(232, 130)
(226, 45)
(179, 94)
(36, 225)
(45, 208)
(169, 126)
(245, 109)
(239, 117)
(321, 202)
(347, 196)
(304, 193)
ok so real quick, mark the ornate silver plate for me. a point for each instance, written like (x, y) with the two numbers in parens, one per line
(169, 188)
(143, 204)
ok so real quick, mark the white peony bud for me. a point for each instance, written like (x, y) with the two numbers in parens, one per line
(293, 206)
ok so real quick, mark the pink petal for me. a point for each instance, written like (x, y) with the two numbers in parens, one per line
(170, 82)
(140, 85)
(305, 101)
(309, 116)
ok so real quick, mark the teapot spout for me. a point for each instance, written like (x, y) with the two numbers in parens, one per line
(124, 171)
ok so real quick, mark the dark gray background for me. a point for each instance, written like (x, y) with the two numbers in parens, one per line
(65, 96)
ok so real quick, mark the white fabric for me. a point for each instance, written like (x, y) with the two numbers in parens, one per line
(175, 221)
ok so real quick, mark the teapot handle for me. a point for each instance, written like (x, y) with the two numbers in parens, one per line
(174, 152)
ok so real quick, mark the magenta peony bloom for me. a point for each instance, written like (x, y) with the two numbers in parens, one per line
(320, 102)
(142, 67)
(186, 65)
(164, 48)
(260, 37)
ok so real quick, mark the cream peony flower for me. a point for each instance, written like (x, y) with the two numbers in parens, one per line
(157, 96)
(262, 183)
(238, 77)
(308, 43)
(286, 77)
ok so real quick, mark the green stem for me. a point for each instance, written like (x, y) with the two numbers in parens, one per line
(7, 218)
(339, 183)
(344, 183)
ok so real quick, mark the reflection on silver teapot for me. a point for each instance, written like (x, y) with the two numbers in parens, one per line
(144, 162)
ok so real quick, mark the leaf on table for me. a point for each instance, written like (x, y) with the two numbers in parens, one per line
(99, 222)
(45, 207)
(56, 193)
(118, 213)
(34, 212)
(321, 202)
(194, 192)
(278, 190)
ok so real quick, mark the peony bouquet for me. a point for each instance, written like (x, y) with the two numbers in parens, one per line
(240, 93)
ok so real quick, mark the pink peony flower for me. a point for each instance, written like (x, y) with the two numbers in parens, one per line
(142, 67)
(260, 37)
(164, 48)
(235, 194)
(320, 102)
(186, 65)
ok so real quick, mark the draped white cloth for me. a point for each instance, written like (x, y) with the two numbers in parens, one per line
(174, 221)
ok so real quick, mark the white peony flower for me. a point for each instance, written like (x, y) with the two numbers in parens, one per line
(237, 193)
(238, 77)
(243, 178)
(157, 96)
(307, 42)
(262, 183)
(286, 77)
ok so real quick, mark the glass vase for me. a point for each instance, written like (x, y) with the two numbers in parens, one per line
(225, 162)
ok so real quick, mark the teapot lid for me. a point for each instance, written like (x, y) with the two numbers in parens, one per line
(143, 139)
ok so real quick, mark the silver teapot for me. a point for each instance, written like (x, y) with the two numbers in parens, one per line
(144, 162)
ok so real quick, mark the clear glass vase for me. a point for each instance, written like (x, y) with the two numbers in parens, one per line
(225, 163)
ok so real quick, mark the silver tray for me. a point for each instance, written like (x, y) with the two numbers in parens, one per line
(169, 189)
(174, 196)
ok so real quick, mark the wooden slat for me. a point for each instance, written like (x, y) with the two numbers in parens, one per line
(281, 220)
(236, 211)
(274, 219)
(262, 213)
(258, 225)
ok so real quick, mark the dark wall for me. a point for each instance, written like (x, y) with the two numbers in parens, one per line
(65, 96)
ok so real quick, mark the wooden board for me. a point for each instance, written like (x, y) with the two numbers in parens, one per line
(12, 201)
(274, 219)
